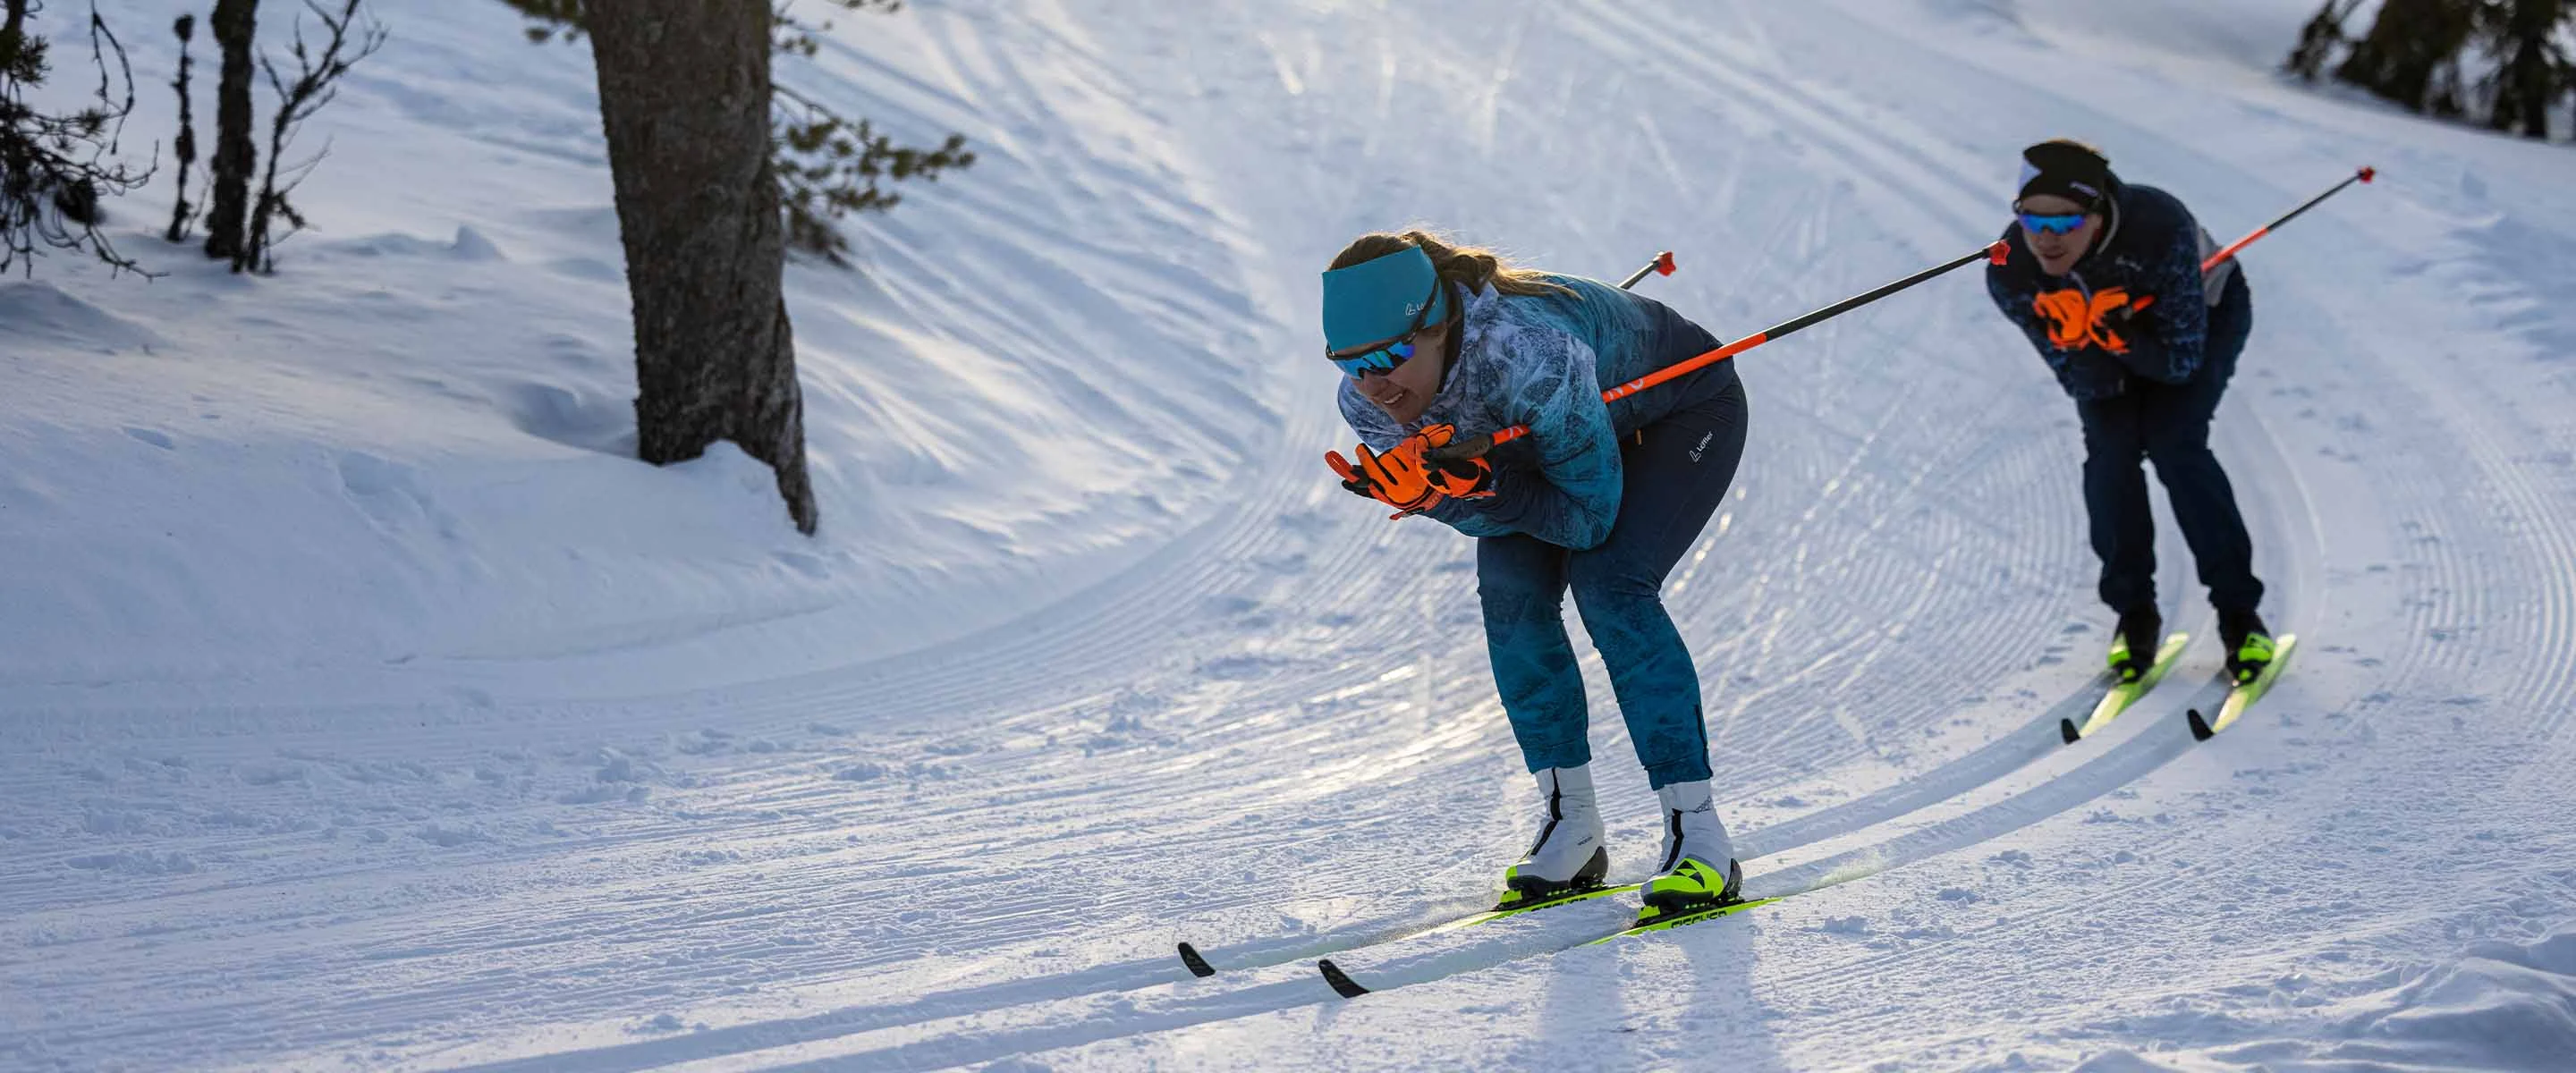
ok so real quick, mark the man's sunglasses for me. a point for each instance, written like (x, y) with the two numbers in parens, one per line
(2051, 225)
(1385, 357)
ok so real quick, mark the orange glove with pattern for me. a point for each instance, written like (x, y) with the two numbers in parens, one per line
(2076, 320)
(1406, 478)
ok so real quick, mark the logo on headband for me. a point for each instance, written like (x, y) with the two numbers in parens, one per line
(2031, 171)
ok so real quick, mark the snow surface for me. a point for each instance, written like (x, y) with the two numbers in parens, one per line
(364, 705)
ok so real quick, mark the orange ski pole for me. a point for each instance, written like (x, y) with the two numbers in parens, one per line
(2216, 259)
(1472, 448)
(2362, 176)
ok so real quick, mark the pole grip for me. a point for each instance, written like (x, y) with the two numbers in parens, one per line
(1662, 265)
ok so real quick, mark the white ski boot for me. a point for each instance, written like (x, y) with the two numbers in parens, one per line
(1569, 856)
(1699, 869)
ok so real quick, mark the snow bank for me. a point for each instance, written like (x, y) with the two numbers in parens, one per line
(405, 462)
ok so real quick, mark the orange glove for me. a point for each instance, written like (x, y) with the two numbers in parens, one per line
(1407, 479)
(2076, 321)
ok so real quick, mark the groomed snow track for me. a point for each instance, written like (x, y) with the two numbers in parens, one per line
(1273, 735)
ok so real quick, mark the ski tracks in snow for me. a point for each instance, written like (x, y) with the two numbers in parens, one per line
(983, 849)
(2290, 431)
(1130, 999)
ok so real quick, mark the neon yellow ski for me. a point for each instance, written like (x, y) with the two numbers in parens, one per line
(1498, 913)
(1199, 966)
(1679, 919)
(2244, 696)
(2126, 693)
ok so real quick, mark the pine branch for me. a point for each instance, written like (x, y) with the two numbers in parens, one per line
(56, 167)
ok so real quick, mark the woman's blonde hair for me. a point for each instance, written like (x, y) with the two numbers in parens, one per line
(1473, 266)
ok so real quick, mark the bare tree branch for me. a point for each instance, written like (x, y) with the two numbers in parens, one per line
(314, 86)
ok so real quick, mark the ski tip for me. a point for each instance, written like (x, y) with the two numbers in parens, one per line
(1341, 982)
(2199, 727)
(1198, 966)
(2066, 729)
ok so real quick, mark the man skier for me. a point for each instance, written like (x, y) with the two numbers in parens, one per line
(2105, 278)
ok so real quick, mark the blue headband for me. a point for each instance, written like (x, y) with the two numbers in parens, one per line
(1377, 300)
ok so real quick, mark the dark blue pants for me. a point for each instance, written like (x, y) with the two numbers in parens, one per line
(1674, 473)
(2168, 424)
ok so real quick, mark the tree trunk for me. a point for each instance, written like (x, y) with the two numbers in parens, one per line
(2533, 73)
(234, 25)
(2523, 91)
(186, 146)
(13, 28)
(684, 94)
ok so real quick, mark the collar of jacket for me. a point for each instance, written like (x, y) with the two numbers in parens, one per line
(1477, 311)
(1458, 300)
(2111, 214)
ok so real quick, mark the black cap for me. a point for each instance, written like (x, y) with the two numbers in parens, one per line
(2068, 169)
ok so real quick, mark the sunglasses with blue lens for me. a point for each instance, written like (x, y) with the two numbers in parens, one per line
(1383, 359)
(2052, 225)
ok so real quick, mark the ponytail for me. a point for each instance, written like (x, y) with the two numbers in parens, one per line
(1473, 267)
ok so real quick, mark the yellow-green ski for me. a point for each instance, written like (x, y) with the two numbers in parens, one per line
(2244, 696)
(1680, 919)
(1343, 985)
(2123, 694)
(1200, 967)
(1499, 912)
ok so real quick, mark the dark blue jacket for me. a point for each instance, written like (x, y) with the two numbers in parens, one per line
(2150, 247)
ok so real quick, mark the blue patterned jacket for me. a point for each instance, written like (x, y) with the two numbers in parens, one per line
(1543, 361)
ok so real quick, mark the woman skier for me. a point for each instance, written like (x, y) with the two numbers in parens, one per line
(2105, 278)
(1442, 343)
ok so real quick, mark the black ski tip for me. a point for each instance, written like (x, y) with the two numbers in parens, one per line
(2199, 727)
(1198, 966)
(1341, 982)
(2066, 729)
